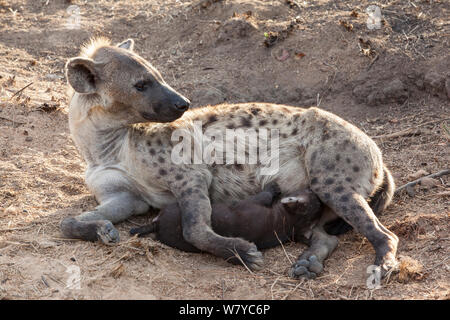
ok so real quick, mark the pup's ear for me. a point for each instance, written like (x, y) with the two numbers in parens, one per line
(127, 44)
(296, 199)
(294, 204)
(82, 74)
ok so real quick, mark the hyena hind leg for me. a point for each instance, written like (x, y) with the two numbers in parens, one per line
(354, 209)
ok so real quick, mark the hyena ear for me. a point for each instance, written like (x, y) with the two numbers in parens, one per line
(127, 44)
(82, 74)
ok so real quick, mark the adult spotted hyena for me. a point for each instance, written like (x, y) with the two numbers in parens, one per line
(122, 116)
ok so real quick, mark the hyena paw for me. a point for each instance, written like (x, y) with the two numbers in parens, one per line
(248, 253)
(388, 266)
(107, 233)
(306, 267)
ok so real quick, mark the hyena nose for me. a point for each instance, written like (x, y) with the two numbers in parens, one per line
(182, 104)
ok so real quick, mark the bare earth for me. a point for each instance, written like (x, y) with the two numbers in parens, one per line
(384, 81)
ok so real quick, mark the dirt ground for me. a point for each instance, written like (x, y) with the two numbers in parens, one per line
(394, 79)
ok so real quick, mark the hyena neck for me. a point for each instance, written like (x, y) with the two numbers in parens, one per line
(99, 135)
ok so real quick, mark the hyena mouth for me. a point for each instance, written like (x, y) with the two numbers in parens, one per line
(163, 117)
(148, 116)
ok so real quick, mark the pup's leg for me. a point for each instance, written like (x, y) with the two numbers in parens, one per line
(310, 263)
(143, 230)
(267, 196)
(98, 224)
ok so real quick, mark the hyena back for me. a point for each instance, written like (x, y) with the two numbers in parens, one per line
(122, 116)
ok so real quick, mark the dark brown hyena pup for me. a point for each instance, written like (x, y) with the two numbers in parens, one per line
(262, 219)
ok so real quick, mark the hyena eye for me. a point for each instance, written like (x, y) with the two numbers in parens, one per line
(140, 86)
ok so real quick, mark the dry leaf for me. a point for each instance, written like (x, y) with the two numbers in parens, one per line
(118, 271)
(347, 25)
(410, 269)
(299, 55)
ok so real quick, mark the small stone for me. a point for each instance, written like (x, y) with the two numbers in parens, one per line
(396, 90)
(429, 182)
(11, 210)
(28, 139)
(47, 244)
(417, 174)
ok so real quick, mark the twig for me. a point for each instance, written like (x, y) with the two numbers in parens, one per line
(413, 183)
(13, 121)
(18, 228)
(45, 281)
(17, 92)
(372, 62)
(292, 290)
(273, 284)
(406, 132)
(242, 261)
(409, 131)
(285, 253)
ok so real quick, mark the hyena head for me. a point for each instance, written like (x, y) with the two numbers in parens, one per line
(128, 86)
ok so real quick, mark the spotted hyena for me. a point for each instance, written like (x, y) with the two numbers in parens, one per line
(122, 116)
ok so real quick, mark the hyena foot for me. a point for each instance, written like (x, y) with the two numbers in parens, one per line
(97, 225)
(233, 250)
(385, 255)
(306, 267)
(240, 251)
(100, 230)
(310, 262)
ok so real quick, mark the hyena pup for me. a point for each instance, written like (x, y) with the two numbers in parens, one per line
(122, 116)
(262, 219)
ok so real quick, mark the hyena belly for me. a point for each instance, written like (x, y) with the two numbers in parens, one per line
(237, 182)
(278, 148)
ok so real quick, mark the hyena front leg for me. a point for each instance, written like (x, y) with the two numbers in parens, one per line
(193, 199)
(97, 225)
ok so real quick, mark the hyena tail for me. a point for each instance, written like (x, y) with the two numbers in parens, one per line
(378, 202)
(383, 196)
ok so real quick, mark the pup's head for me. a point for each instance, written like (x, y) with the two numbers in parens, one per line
(302, 203)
